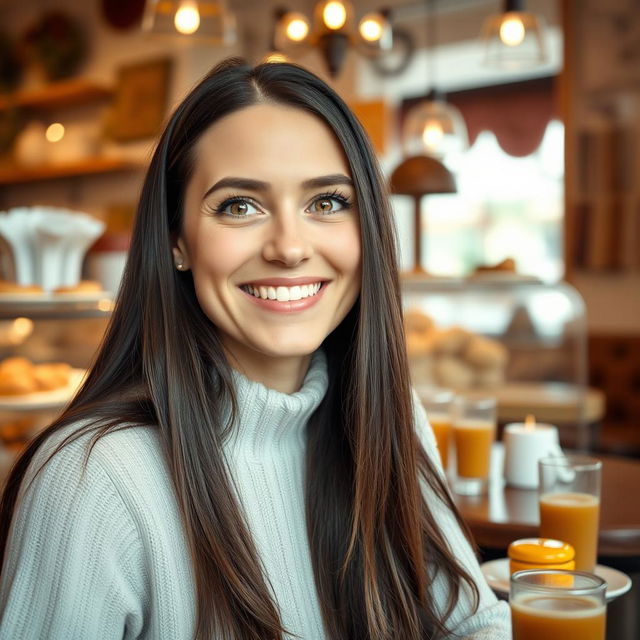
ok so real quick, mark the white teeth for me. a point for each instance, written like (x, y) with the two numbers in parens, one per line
(283, 294)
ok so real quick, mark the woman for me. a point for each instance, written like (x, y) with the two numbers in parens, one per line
(242, 459)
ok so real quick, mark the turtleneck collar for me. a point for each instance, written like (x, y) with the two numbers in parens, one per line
(267, 416)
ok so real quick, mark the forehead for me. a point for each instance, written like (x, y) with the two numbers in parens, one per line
(270, 140)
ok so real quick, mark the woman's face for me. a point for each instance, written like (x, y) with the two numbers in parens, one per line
(271, 234)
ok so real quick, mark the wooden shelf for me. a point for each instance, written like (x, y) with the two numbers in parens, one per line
(57, 95)
(19, 174)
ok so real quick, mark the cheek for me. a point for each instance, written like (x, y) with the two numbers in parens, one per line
(218, 254)
(347, 250)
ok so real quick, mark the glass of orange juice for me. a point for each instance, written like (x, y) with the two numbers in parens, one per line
(474, 432)
(570, 504)
(557, 605)
(437, 403)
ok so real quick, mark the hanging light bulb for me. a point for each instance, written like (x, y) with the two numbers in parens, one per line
(514, 38)
(334, 15)
(296, 26)
(333, 31)
(512, 30)
(371, 27)
(432, 136)
(187, 18)
(434, 127)
(205, 19)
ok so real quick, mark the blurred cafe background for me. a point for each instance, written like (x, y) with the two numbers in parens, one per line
(509, 133)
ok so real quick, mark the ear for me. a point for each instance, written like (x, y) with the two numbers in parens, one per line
(180, 255)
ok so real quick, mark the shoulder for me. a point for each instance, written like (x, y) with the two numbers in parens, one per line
(127, 464)
(96, 540)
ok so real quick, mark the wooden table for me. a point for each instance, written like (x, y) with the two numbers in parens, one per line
(505, 513)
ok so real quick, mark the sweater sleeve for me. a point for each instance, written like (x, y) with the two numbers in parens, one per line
(491, 621)
(73, 566)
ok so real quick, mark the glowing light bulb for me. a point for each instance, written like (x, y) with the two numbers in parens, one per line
(512, 31)
(334, 15)
(432, 134)
(54, 132)
(187, 18)
(297, 28)
(371, 27)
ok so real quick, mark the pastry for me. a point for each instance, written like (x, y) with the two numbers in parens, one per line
(452, 373)
(7, 286)
(51, 376)
(484, 352)
(507, 265)
(18, 376)
(452, 340)
(417, 322)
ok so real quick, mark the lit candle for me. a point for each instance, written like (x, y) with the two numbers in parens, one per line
(524, 444)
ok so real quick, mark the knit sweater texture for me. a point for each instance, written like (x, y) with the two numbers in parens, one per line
(97, 551)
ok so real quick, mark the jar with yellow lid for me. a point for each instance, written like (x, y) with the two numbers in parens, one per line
(540, 553)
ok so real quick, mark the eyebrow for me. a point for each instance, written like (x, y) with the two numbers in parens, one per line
(258, 185)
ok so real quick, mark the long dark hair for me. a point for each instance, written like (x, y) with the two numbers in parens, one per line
(375, 544)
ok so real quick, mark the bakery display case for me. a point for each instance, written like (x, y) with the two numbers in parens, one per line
(47, 342)
(510, 336)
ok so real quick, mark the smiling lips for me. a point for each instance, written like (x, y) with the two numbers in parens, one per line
(275, 295)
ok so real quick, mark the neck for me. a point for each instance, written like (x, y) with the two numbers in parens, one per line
(282, 374)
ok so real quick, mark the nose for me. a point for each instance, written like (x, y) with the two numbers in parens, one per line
(288, 242)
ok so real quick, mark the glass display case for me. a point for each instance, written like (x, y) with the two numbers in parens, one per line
(514, 337)
(47, 342)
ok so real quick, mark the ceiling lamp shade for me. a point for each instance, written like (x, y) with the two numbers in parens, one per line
(514, 39)
(418, 176)
(434, 127)
(208, 20)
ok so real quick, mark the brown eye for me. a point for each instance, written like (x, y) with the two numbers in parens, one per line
(330, 203)
(238, 208)
(323, 205)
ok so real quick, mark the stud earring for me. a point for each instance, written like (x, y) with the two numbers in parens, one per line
(179, 262)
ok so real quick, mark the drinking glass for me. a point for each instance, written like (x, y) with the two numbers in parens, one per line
(474, 432)
(557, 605)
(438, 405)
(570, 504)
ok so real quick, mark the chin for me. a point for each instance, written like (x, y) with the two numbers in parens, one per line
(291, 349)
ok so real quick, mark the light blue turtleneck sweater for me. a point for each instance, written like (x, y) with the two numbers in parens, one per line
(98, 552)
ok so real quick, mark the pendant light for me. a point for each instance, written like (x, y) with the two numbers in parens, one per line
(514, 39)
(202, 19)
(433, 126)
(334, 29)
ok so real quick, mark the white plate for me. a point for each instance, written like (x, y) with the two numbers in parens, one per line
(44, 400)
(496, 573)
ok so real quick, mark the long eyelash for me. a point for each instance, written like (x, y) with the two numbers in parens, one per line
(218, 209)
(342, 197)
